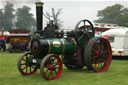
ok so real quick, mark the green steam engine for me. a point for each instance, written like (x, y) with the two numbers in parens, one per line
(50, 49)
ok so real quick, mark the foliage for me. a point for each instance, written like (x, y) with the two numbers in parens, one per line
(1, 18)
(24, 19)
(117, 74)
(7, 16)
(20, 18)
(54, 16)
(115, 14)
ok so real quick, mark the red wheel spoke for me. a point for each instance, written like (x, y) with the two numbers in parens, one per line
(102, 49)
(99, 65)
(22, 64)
(23, 59)
(95, 66)
(97, 61)
(30, 69)
(94, 61)
(94, 57)
(46, 70)
(98, 46)
(33, 67)
(55, 71)
(24, 67)
(105, 61)
(49, 74)
(94, 50)
(101, 44)
(52, 74)
(106, 51)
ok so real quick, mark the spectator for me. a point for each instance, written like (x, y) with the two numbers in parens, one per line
(3, 44)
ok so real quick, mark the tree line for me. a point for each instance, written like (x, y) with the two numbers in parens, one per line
(115, 14)
(19, 18)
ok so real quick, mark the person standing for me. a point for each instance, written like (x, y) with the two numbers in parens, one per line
(3, 44)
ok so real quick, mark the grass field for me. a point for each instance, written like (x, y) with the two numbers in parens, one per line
(117, 74)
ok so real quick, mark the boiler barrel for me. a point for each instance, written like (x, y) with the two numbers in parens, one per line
(40, 47)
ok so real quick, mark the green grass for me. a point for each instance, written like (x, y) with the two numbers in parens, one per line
(117, 74)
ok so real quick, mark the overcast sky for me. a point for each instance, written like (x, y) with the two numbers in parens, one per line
(73, 10)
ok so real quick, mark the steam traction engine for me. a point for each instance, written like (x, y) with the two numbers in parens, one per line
(76, 49)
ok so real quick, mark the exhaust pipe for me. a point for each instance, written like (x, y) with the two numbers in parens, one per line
(39, 16)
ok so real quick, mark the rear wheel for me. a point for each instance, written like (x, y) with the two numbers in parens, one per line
(98, 54)
(51, 67)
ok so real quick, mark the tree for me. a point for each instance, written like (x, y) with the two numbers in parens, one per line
(54, 17)
(1, 19)
(115, 14)
(8, 21)
(24, 19)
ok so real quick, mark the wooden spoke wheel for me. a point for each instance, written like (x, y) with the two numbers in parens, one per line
(98, 54)
(51, 67)
(24, 67)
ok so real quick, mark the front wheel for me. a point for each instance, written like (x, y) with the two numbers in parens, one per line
(51, 67)
(24, 67)
(98, 55)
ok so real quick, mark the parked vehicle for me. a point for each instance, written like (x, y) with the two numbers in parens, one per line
(118, 39)
(4, 34)
(18, 42)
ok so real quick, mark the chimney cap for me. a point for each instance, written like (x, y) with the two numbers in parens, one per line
(39, 3)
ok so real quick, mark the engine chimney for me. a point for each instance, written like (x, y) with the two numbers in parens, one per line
(39, 16)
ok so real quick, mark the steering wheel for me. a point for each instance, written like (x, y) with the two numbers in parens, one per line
(84, 29)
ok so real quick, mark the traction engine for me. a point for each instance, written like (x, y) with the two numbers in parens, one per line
(50, 49)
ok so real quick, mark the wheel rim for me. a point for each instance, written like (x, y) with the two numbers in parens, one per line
(51, 67)
(24, 67)
(101, 55)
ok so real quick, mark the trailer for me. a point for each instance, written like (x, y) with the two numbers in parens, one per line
(118, 39)
(18, 42)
